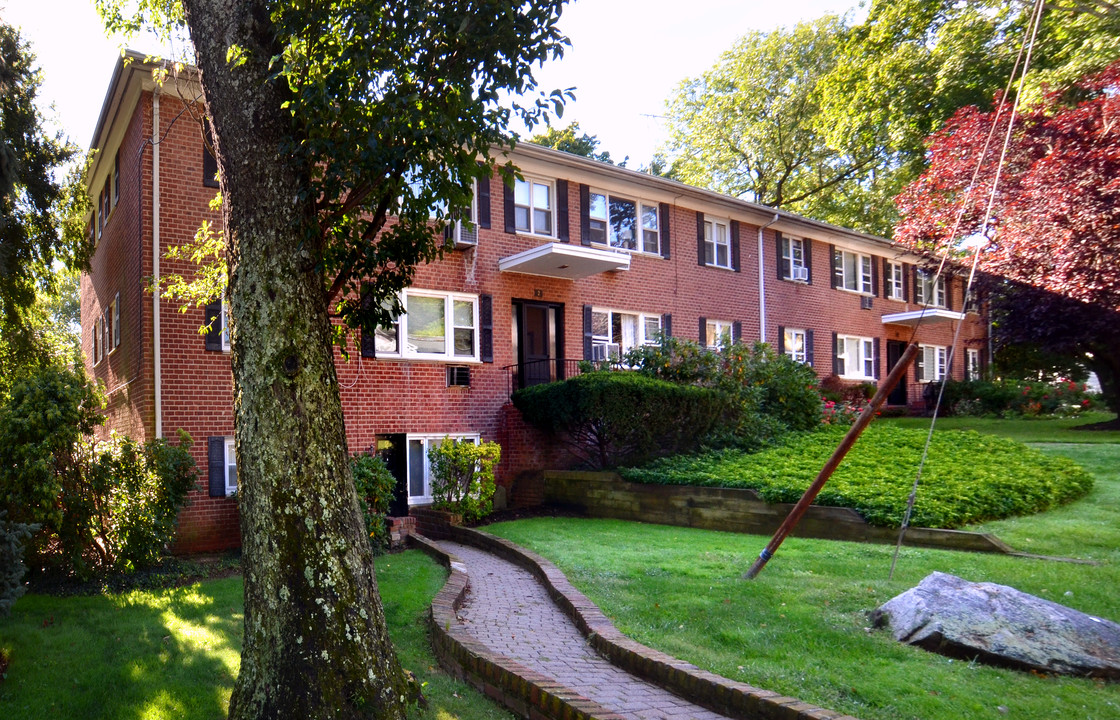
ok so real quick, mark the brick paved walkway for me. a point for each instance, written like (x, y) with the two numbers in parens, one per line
(508, 610)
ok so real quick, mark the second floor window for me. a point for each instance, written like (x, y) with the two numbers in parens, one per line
(623, 223)
(533, 207)
(795, 265)
(852, 271)
(929, 289)
(717, 244)
(895, 287)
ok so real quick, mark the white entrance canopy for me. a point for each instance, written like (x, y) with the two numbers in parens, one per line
(563, 260)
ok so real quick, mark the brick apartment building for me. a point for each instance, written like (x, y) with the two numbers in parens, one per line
(579, 261)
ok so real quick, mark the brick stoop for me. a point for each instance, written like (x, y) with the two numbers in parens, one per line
(716, 693)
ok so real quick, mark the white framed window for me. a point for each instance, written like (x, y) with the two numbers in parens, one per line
(931, 363)
(717, 244)
(852, 271)
(224, 320)
(533, 207)
(115, 313)
(855, 357)
(972, 363)
(794, 344)
(95, 337)
(106, 341)
(614, 333)
(929, 289)
(624, 223)
(117, 178)
(434, 325)
(718, 334)
(230, 465)
(419, 466)
(794, 264)
(894, 282)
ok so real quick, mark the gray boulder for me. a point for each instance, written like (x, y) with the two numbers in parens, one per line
(1000, 625)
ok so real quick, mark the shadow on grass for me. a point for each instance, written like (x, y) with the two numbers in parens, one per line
(166, 654)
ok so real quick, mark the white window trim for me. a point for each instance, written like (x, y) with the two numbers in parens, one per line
(448, 356)
(865, 356)
(640, 205)
(802, 356)
(710, 225)
(229, 460)
(894, 280)
(532, 230)
(939, 355)
(428, 439)
(641, 337)
(115, 330)
(795, 264)
(721, 326)
(95, 334)
(862, 279)
(224, 320)
(926, 283)
(972, 363)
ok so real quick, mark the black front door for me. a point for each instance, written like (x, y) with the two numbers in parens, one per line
(538, 342)
(895, 348)
(391, 449)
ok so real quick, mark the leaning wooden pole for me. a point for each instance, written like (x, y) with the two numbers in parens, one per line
(838, 454)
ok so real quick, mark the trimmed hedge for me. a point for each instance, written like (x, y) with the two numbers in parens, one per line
(968, 477)
(610, 418)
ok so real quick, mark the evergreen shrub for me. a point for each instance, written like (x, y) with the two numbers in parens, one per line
(375, 485)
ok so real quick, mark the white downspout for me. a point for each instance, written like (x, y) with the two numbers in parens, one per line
(156, 355)
(762, 283)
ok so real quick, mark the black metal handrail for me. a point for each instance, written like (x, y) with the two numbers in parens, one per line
(538, 372)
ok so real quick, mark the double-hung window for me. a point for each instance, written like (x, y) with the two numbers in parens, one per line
(895, 287)
(419, 465)
(533, 207)
(852, 271)
(115, 323)
(931, 363)
(718, 334)
(624, 223)
(434, 325)
(794, 344)
(929, 289)
(972, 360)
(717, 244)
(614, 333)
(855, 357)
(230, 467)
(794, 263)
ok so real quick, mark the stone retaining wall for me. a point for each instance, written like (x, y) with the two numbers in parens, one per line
(607, 495)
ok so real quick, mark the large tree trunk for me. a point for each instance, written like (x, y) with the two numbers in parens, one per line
(315, 641)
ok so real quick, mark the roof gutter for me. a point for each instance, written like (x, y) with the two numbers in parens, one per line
(762, 281)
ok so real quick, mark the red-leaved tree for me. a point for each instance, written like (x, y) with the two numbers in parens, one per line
(1052, 270)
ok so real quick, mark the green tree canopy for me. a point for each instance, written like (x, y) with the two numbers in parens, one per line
(569, 139)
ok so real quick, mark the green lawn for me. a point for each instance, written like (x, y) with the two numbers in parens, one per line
(1028, 430)
(800, 628)
(175, 653)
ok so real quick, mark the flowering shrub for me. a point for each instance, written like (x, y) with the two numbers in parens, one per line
(841, 413)
(1016, 397)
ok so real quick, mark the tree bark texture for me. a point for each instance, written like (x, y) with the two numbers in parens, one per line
(315, 643)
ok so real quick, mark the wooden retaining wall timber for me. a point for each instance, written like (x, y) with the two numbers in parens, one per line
(607, 495)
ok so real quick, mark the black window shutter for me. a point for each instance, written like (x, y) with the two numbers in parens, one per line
(663, 228)
(368, 340)
(216, 460)
(486, 328)
(837, 266)
(507, 199)
(667, 325)
(781, 340)
(483, 201)
(809, 347)
(885, 271)
(914, 281)
(213, 317)
(587, 332)
(875, 349)
(736, 332)
(905, 283)
(835, 354)
(700, 238)
(703, 331)
(782, 263)
(948, 293)
(919, 364)
(807, 248)
(562, 233)
(874, 276)
(735, 245)
(584, 215)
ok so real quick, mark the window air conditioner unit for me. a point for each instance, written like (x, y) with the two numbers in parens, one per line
(461, 236)
(865, 303)
(800, 274)
(605, 352)
(458, 376)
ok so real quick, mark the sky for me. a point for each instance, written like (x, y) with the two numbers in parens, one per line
(626, 58)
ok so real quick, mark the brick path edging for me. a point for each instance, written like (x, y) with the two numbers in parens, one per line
(714, 692)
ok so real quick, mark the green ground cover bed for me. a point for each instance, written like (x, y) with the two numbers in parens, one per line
(801, 627)
(174, 653)
(968, 477)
